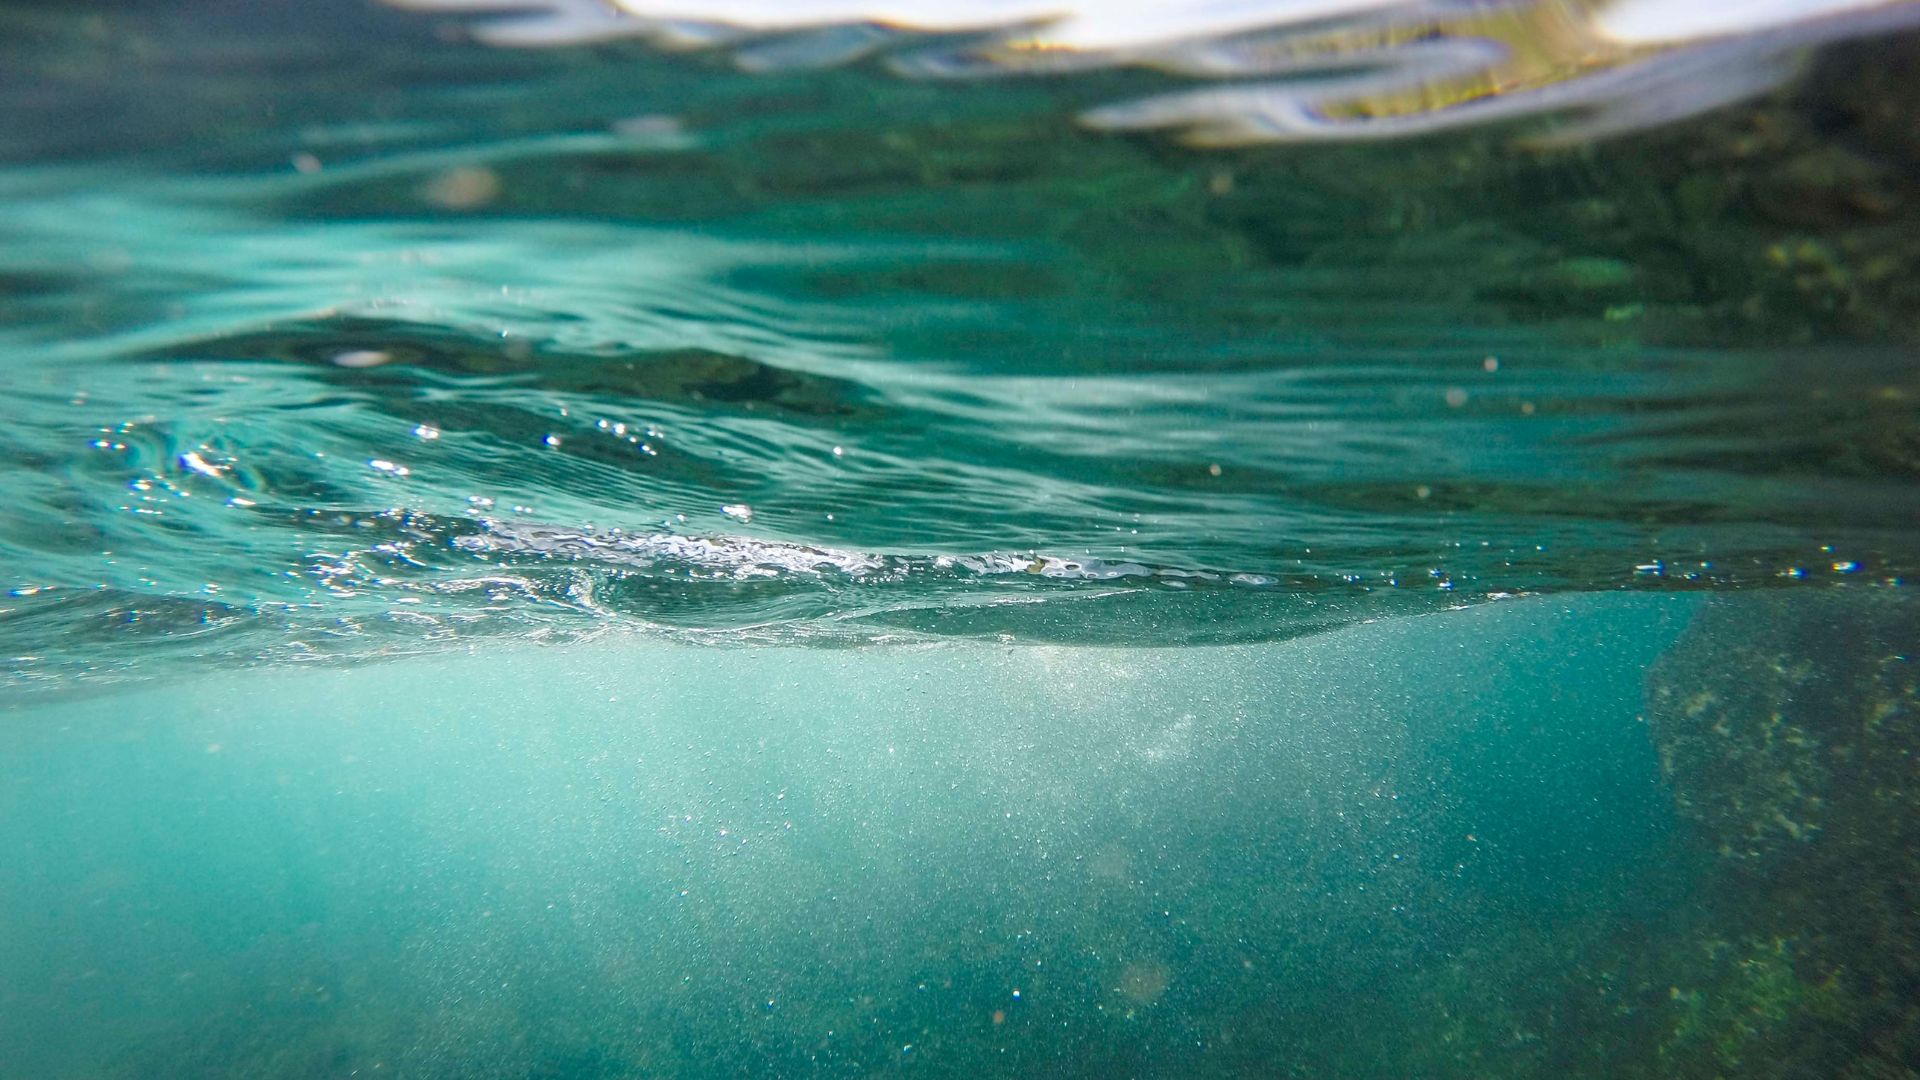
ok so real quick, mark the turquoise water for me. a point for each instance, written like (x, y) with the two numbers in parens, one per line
(835, 549)
(641, 859)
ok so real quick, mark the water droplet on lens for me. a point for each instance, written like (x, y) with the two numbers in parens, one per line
(466, 188)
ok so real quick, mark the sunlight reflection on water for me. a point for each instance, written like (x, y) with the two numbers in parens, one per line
(1273, 70)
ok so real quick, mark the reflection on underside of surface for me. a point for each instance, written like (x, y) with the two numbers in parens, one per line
(1273, 70)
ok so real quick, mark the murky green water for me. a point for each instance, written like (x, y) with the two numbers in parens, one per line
(848, 550)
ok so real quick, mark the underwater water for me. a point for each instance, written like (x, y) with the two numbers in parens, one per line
(1175, 540)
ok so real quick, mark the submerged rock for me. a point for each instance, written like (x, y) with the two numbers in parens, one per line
(1787, 726)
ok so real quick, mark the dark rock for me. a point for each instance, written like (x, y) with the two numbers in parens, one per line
(1787, 725)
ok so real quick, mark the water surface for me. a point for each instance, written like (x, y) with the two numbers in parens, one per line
(612, 540)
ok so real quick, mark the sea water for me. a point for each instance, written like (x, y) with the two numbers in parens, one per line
(629, 858)
(1147, 540)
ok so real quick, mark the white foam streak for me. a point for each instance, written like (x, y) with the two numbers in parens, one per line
(1653, 22)
(1102, 25)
